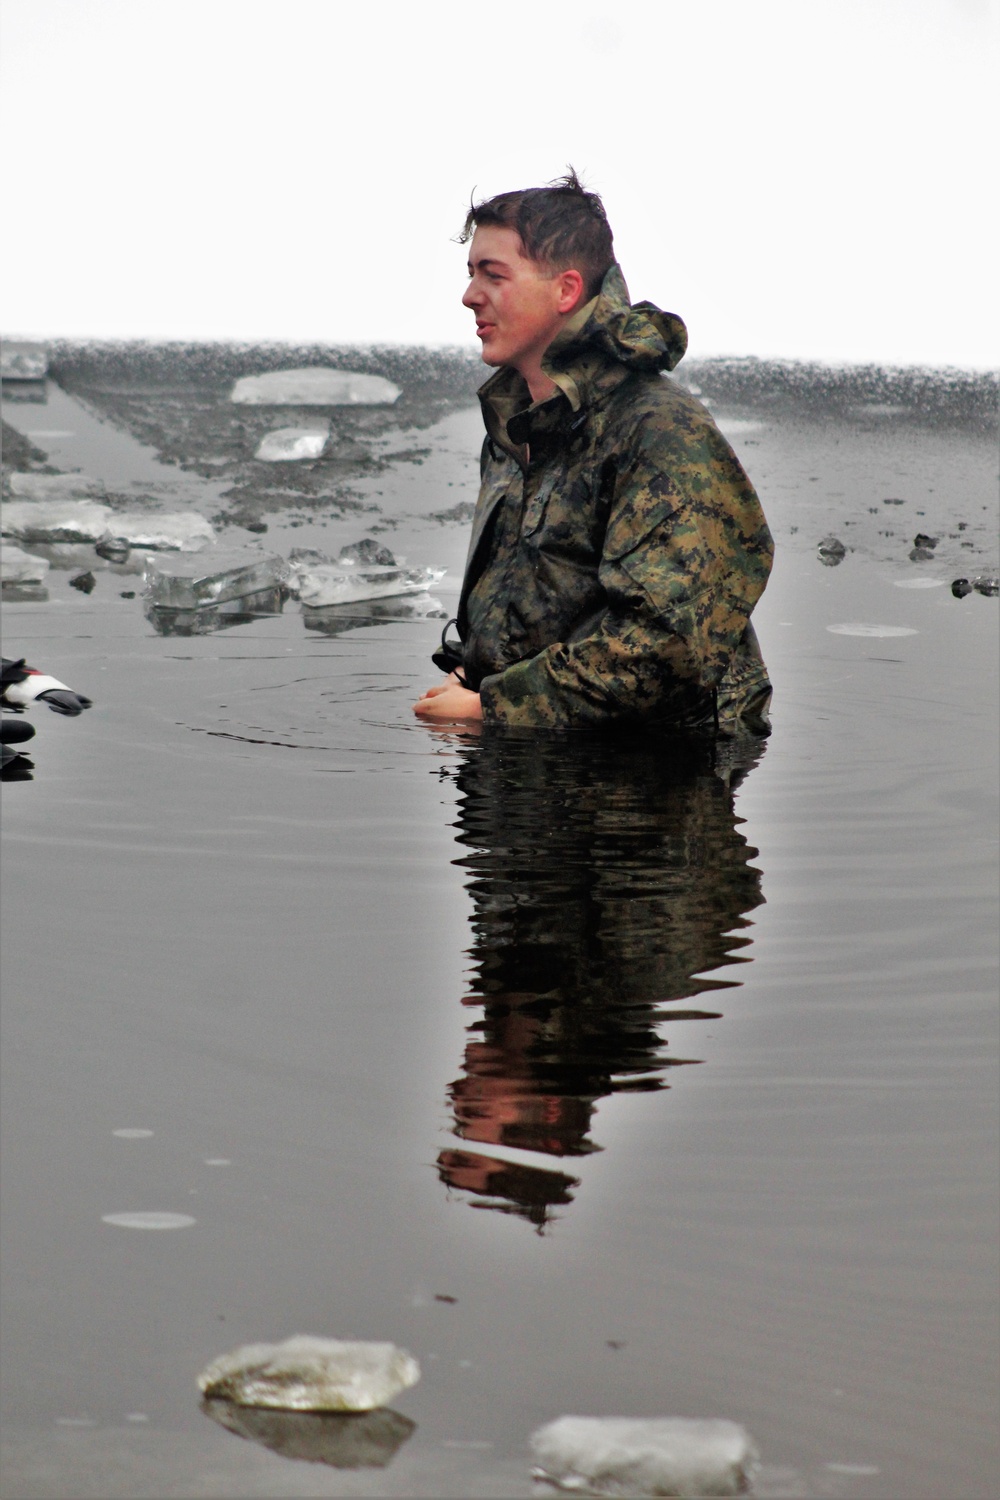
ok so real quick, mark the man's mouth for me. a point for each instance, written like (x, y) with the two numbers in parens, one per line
(484, 329)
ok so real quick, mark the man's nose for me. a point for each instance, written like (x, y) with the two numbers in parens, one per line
(473, 297)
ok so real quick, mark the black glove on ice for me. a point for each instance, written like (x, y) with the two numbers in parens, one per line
(62, 701)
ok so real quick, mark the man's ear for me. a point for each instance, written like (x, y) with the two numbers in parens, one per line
(571, 291)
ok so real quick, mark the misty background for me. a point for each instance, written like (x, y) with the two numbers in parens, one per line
(812, 181)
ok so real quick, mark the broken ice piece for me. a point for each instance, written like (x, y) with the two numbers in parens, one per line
(987, 585)
(23, 360)
(55, 520)
(316, 385)
(344, 1440)
(332, 584)
(17, 566)
(182, 581)
(291, 444)
(182, 531)
(368, 550)
(54, 486)
(645, 1456)
(311, 1374)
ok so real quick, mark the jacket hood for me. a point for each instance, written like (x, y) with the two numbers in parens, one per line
(640, 337)
(601, 344)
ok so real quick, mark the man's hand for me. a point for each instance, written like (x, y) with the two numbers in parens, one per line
(448, 700)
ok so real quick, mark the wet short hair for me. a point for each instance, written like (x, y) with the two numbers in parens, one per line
(561, 226)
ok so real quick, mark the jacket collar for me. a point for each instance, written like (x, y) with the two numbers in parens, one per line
(599, 346)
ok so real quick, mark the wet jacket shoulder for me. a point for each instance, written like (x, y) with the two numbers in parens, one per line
(618, 547)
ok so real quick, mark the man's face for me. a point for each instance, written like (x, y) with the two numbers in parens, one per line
(517, 303)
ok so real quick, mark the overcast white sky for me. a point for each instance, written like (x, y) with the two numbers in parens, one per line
(802, 178)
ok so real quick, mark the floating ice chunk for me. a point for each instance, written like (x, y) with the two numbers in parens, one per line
(130, 1133)
(311, 1374)
(316, 385)
(872, 630)
(337, 583)
(290, 444)
(181, 531)
(55, 520)
(639, 1456)
(345, 1440)
(17, 566)
(22, 360)
(182, 581)
(54, 487)
(919, 583)
(148, 1221)
(987, 584)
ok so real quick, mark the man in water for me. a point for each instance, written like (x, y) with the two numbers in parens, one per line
(618, 547)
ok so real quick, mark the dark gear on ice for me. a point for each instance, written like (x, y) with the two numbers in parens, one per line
(20, 686)
(618, 547)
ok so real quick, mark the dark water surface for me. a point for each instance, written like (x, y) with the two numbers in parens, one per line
(602, 1080)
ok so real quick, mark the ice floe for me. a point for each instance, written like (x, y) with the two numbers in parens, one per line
(880, 631)
(55, 520)
(150, 1220)
(306, 1373)
(645, 1456)
(32, 486)
(18, 566)
(315, 385)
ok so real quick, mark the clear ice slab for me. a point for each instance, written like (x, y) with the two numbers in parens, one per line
(190, 581)
(645, 1456)
(315, 385)
(311, 1374)
(340, 583)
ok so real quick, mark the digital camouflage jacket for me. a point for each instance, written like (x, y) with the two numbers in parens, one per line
(618, 547)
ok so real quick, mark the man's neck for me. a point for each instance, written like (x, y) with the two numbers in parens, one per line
(538, 383)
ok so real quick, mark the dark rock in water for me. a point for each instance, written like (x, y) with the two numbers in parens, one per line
(893, 502)
(114, 551)
(128, 593)
(921, 554)
(961, 587)
(920, 540)
(831, 551)
(986, 585)
(85, 582)
(257, 526)
(368, 551)
(345, 1440)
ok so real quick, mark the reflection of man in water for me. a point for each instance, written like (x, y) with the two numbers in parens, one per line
(604, 879)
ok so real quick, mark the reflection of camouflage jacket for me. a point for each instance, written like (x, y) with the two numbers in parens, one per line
(618, 547)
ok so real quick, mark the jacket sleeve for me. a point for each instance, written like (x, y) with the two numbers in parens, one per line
(686, 556)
